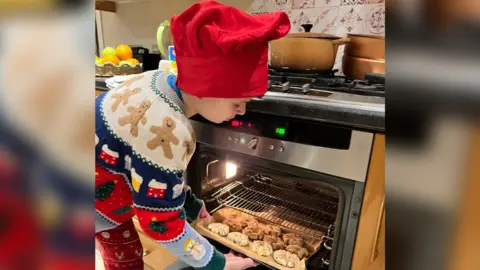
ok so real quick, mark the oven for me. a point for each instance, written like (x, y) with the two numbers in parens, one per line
(305, 176)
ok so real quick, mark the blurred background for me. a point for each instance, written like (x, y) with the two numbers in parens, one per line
(46, 127)
(433, 134)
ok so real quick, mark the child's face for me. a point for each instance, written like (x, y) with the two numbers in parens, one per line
(218, 110)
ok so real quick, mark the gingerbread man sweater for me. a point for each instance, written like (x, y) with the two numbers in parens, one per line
(143, 145)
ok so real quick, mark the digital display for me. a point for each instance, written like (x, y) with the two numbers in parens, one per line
(237, 123)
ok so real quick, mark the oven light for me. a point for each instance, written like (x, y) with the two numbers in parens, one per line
(230, 170)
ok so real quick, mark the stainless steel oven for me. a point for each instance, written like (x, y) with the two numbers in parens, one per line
(302, 175)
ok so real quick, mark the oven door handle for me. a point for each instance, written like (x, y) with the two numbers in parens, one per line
(377, 235)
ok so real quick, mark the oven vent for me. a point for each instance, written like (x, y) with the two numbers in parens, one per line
(307, 209)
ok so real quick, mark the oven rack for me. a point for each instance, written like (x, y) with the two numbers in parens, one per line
(308, 209)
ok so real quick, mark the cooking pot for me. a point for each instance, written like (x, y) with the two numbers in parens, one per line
(356, 67)
(305, 51)
(363, 46)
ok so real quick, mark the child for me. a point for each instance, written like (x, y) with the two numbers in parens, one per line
(144, 140)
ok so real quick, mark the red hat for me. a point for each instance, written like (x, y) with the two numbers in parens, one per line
(222, 51)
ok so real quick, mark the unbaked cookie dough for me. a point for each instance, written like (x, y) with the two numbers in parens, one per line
(262, 248)
(286, 258)
(219, 228)
(238, 238)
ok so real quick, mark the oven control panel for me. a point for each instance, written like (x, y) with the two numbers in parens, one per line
(256, 126)
(252, 143)
(350, 164)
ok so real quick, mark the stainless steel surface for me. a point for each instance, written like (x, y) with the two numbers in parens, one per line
(350, 164)
(308, 209)
(365, 112)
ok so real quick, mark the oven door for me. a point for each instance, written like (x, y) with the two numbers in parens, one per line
(297, 199)
(302, 175)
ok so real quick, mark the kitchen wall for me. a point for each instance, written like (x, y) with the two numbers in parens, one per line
(136, 21)
(337, 17)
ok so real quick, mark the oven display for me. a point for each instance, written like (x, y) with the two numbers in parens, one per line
(279, 131)
(237, 123)
(285, 129)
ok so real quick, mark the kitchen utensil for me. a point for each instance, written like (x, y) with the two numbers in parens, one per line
(356, 67)
(364, 46)
(164, 38)
(305, 51)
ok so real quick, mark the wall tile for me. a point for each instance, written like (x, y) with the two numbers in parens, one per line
(375, 20)
(323, 19)
(353, 2)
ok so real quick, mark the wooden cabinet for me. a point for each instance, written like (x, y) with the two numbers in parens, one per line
(369, 252)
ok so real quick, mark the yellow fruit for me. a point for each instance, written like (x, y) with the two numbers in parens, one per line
(132, 61)
(111, 59)
(108, 51)
(96, 58)
(123, 52)
(98, 61)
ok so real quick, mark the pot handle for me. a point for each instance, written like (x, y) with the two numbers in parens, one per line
(341, 41)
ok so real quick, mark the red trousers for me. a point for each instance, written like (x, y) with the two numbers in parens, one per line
(121, 247)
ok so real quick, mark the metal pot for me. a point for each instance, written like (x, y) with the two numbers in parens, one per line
(356, 67)
(305, 51)
(363, 46)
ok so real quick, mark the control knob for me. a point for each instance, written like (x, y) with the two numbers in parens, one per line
(253, 144)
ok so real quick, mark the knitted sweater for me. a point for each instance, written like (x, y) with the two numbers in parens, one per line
(143, 145)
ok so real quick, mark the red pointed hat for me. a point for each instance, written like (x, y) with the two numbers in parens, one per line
(222, 52)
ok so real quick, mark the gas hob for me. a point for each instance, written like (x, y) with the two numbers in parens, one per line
(324, 84)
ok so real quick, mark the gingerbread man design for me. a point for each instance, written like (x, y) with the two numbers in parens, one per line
(128, 83)
(164, 136)
(123, 97)
(135, 116)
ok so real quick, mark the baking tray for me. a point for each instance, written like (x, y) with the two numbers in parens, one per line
(201, 226)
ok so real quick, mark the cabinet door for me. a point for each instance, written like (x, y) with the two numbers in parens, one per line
(369, 252)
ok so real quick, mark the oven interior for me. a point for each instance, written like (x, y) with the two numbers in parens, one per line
(306, 206)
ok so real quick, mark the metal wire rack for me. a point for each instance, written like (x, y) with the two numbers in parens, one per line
(306, 209)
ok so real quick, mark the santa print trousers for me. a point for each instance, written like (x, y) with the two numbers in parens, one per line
(121, 247)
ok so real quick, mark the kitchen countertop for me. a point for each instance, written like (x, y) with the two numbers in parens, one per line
(356, 111)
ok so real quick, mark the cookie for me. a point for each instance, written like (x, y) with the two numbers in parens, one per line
(293, 239)
(234, 224)
(286, 258)
(275, 241)
(248, 221)
(238, 238)
(272, 230)
(224, 213)
(300, 251)
(253, 232)
(219, 228)
(261, 248)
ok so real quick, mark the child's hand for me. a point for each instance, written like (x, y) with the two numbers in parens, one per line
(238, 263)
(204, 213)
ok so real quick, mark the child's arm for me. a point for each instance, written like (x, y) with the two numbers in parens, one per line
(162, 216)
(192, 205)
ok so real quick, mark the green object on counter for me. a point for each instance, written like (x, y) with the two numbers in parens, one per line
(164, 38)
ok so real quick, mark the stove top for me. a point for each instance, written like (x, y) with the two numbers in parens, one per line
(323, 84)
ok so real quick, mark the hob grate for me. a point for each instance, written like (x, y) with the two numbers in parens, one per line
(303, 208)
